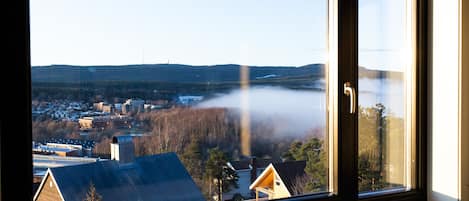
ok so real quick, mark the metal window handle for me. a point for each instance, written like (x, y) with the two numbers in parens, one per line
(350, 91)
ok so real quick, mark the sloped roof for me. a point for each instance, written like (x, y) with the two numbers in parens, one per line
(289, 172)
(244, 164)
(84, 143)
(157, 177)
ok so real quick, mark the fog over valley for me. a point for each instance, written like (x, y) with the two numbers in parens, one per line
(295, 112)
(291, 112)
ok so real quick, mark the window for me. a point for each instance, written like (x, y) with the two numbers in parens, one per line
(237, 90)
(386, 96)
(334, 145)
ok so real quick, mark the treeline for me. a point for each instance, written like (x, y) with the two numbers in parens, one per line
(381, 161)
(147, 90)
(173, 129)
(381, 153)
(90, 91)
(48, 128)
(204, 139)
(95, 91)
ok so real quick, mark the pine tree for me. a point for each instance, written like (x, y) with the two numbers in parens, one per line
(92, 195)
(375, 126)
(192, 159)
(312, 151)
(218, 172)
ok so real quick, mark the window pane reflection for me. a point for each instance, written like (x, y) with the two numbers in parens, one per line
(384, 84)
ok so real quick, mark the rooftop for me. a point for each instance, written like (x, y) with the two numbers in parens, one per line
(245, 163)
(157, 177)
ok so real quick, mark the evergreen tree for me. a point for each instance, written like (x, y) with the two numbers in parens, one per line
(192, 160)
(315, 156)
(370, 155)
(217, 172)
(375, 126)
(316, 159)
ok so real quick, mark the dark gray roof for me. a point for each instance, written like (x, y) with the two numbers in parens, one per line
(289, 172)
(244, 164)
(157, 177)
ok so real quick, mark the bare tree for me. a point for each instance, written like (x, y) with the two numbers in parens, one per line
(299, 185)
(92, 194)
(103, 147)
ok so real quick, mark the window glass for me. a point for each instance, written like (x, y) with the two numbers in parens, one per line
(235, 89)
(385, 95)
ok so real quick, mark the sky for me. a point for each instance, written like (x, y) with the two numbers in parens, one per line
(204, 32)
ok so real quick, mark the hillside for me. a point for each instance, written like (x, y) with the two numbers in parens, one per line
(170, 73)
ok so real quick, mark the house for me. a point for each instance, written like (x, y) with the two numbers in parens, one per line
(108, 108)
(278, 180)
(247, 170)
(133, 105)
(156, 177)
(62, 151)
(42, 162)
(98, 106)
(65, 147)
(189, 100)
(104, 122)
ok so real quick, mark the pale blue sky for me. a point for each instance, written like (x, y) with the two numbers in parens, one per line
(201, 32)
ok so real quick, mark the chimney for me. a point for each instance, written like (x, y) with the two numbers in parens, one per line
(122, 149)
(253, 166)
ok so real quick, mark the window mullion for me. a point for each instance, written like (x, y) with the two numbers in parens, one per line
(347, 123)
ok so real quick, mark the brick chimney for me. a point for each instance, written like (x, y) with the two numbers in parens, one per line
(253, 166)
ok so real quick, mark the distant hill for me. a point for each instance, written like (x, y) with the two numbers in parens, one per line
(186, 73)
(379, 74)
(169, 73)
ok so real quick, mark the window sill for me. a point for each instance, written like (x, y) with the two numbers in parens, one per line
(393, 195)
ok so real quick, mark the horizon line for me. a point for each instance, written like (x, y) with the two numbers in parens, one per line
(226, 64)
(213, 65)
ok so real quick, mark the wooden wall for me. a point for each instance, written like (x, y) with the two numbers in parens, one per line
(49, 191)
